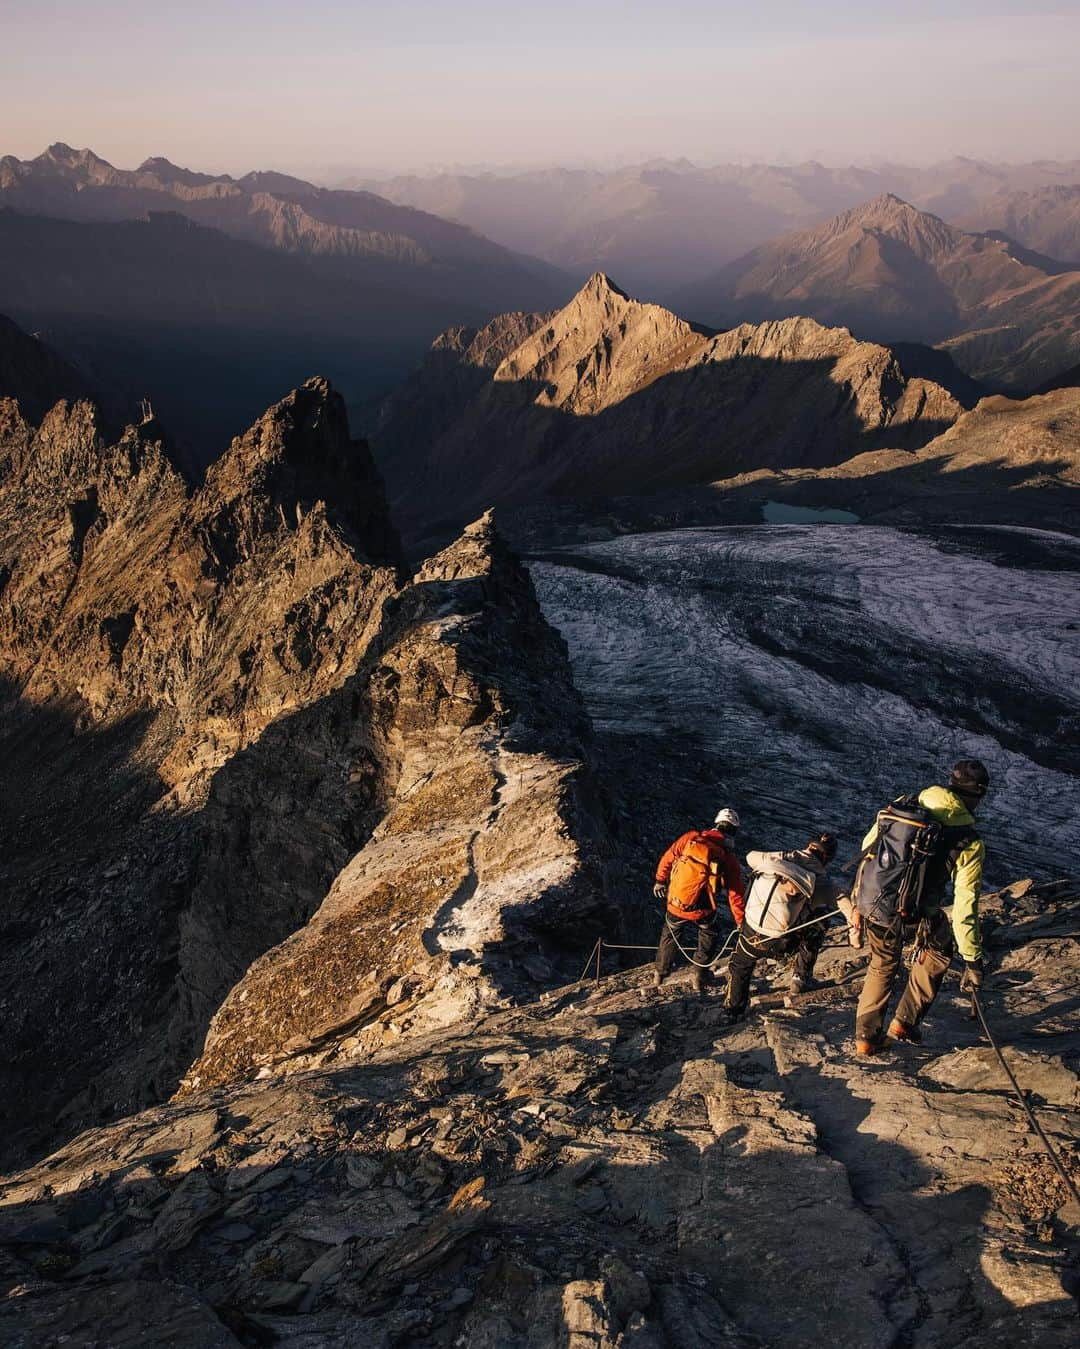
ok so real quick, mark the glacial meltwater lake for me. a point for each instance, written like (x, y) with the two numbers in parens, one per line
(829, 668)
(781, 513)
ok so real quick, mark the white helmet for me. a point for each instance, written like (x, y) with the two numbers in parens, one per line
(727, 819)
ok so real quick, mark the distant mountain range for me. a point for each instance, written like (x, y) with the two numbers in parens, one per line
(609, 395)
(167, 281)
(1009, 317)
(353, 233)
(661, 225)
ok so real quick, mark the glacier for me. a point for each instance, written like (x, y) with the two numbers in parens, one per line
(826, 669)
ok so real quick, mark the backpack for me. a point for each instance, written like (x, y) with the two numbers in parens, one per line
(688, 885)
(765, 897)
(905, 863)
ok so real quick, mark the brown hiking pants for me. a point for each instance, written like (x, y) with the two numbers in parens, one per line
(886, 953)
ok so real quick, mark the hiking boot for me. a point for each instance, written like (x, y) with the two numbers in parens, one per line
(797, 986)
(657, 979)
(697, 983)
(733, 1015)
(900, 1030)
(864, 1048)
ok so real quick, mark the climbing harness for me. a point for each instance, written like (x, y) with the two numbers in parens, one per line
(1021, 1096)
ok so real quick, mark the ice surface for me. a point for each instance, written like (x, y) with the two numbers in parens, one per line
(829, 668)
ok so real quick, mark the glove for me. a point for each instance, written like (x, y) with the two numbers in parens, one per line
(854, 920)
(971, 980)
(660, 890)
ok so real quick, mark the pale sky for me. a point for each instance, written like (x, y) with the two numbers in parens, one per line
(240, 84)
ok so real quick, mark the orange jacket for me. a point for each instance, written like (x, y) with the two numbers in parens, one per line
(696, 865)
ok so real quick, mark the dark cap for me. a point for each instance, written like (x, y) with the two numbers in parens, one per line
(970, 777)
(824, 845)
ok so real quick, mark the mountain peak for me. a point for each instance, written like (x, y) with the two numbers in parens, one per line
(885, 204)
(68, 157)
(924, 233)
(299, 455)
(168, 172)
(601, 287)
(632, 335)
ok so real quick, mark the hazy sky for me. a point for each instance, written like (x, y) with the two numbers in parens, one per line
(419, 83)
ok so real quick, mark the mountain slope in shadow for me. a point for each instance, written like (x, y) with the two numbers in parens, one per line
(1005, 462)
(1045, 218)
(33, 374)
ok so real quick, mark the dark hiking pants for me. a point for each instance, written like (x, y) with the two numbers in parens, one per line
(752, 947)
(684, 930)
(886, 954)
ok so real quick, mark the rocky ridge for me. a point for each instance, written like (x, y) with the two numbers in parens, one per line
(612, 395)
(213, 695)
(483, 873)
(603, 1169)
(227, 604)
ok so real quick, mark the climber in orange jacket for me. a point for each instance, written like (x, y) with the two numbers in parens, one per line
(696, 871)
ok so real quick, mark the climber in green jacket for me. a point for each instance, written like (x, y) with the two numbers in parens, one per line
(959, 858)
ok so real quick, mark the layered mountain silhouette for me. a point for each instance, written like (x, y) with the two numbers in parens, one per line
(657, 225)
(161, 280)
(1007, 316)
(612, 395)
(353, 232)
(666, 223)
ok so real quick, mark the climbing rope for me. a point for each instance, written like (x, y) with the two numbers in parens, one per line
(602, 945)
(711, 964)
(1021, 1096)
